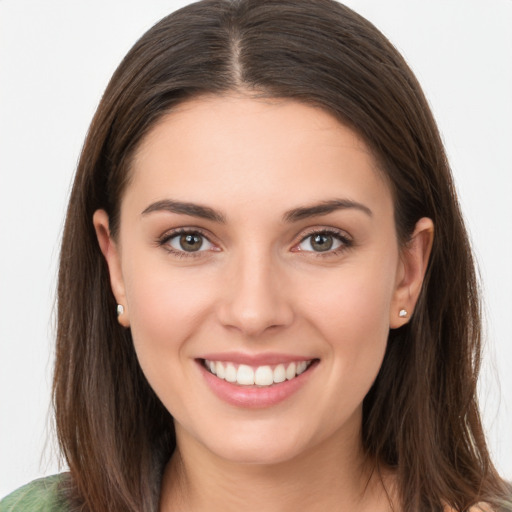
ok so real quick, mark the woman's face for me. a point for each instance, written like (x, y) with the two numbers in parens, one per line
(257, 241)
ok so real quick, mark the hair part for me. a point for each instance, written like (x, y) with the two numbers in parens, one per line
(421, 415)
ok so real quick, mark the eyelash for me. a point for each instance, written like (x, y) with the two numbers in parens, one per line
(346, 242)
(164, 240)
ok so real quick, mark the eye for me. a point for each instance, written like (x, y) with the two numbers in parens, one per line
(323, 241)
(188, 242)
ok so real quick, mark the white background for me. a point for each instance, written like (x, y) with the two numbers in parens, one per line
(55, 59)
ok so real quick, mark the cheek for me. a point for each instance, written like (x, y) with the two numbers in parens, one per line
(351, 311)
(354, 298)
(357, 337)
(165, 306)
(165, 309)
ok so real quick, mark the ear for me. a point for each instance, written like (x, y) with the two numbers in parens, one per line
(110, 251)
(411, 271)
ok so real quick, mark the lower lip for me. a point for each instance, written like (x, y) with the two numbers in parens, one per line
(254, 396)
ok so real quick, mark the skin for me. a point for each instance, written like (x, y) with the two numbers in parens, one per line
(260, 287)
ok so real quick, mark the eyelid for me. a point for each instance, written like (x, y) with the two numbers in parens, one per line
(341, 235)
(163, 240)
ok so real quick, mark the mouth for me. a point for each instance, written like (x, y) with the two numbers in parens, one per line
(258, 376)
(256, 381)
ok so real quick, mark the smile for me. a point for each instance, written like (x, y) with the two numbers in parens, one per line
(263, 376)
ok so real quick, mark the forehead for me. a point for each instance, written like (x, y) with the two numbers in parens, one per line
(231, 150)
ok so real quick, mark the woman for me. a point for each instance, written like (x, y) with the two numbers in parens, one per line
(266, 293)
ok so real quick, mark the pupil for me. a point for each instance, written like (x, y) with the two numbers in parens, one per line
(190, 243)
(322, 242)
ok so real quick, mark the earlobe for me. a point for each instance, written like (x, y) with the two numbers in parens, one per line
(111, 254)
(414, 259)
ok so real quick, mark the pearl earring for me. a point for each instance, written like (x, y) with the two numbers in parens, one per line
(402, 313)
(120, 309)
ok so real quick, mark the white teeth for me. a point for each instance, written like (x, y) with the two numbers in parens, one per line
(279, 373)
(221, 372)
(301, 367)
(230, 372)
(290, 371)
(263, 376)
(245, 375)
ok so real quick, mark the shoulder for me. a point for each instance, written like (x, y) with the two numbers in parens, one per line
(41, 495)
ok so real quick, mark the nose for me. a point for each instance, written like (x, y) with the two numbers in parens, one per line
(255, 298)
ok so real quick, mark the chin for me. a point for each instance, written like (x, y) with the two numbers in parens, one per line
(254, 446)
(255, 454)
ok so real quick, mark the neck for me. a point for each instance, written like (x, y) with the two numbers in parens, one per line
(332, 476)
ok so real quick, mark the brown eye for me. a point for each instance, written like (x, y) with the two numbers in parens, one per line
(323, 241)
(189, 242)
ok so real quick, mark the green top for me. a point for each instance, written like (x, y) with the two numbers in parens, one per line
(41, 495)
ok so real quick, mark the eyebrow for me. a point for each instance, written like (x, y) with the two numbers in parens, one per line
(294, 215)
(192, 209)
(324, 208)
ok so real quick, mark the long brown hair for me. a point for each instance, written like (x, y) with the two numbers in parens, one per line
(421, 415)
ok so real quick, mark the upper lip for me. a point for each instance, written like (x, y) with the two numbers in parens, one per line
(255, 359)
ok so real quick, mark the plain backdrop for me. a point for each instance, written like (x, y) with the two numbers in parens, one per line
(56, 57)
